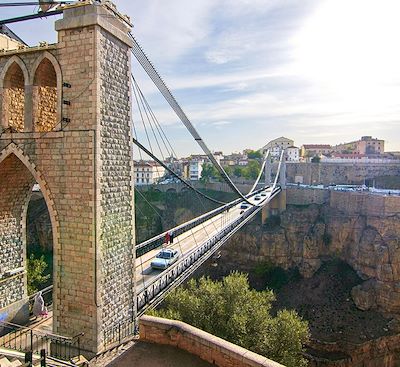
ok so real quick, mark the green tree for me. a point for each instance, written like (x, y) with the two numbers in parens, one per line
(316, 159)
(35, 270)
(254, 154)
(228, 170)
(252, 170)
(231, 310)
(208, 172)
(238, 171)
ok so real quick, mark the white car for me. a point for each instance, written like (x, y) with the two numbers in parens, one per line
(165, 258)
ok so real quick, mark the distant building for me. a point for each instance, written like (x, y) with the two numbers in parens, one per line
(218, 156)
(147, 172)
(276, 146)
(9, 40)
(359, 158)
(312, 150)
(234, 159)
(292, 154)
(195, 169)
(366, 145)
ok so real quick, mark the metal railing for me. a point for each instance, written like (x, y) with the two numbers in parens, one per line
(158, 240)
(117, 334)
(153, 293)
(24, 339)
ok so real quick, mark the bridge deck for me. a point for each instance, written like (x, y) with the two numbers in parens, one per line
(194, 245)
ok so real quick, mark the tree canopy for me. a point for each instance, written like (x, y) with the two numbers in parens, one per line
(233, 311)
(208, 172)
(35, 269)
(253, 154)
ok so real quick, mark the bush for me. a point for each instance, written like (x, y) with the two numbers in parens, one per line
(35, 277)
(231, 310)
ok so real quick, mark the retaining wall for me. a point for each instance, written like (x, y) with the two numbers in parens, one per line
(207, 346)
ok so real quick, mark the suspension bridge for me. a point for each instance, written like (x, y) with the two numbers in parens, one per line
(82, 162)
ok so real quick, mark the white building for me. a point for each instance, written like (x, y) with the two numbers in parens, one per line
(147, 172)
(292, 154)
(195, 169)
(276, 146)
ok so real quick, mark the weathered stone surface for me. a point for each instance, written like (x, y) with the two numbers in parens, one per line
(363, 230)
(84, 170)
(215, 350)
(339, 173)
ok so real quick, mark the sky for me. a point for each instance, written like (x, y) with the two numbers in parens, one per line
(248, 71)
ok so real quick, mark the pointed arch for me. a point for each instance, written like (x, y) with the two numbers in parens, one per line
(14, 78)
(13, 148)
(47, 55)
(20, 63)
(46, 81)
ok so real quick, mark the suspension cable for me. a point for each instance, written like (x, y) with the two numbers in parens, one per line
(187, 184)
(146, 107)
(144, 61)
(157, 124)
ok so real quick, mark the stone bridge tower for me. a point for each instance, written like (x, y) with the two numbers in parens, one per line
(65, 113)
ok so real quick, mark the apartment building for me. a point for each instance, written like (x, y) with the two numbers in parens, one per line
(147, 172)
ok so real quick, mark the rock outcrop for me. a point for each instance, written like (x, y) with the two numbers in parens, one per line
(306, 235)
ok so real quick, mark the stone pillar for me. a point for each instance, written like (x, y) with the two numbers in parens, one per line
(264, 214)
(282, 174)
(96, 292)
(267, 171)
(28, 119)
(282, 180)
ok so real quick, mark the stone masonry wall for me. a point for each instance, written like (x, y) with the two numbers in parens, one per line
(45, 97)
(212, 349)
(306, 196)
(46, 118)
(116, 183)
(84, 170)
(364, 203)
(15, 184)
(66, 159)
(14, 96)
(339, 173)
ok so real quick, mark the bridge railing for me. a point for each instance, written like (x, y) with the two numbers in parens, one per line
(158, 240)
(115, 335)
(25, 339)
(152, 293)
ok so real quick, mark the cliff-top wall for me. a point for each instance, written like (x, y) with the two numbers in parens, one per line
(339, 173)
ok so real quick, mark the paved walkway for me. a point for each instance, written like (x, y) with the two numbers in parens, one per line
(155, 355)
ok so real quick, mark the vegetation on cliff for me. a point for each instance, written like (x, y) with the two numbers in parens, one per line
(233, 311)
(36, 273)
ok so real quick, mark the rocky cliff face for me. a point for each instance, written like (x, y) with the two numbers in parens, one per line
(307, 235)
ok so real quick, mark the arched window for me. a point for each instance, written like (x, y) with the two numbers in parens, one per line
(14, 98)
(45, 97)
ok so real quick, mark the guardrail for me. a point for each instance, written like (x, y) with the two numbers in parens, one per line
(158, 240)
(25, 339)
(117, 334)
(152, 293)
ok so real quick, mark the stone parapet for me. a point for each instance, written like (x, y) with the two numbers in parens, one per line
(207, 346)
